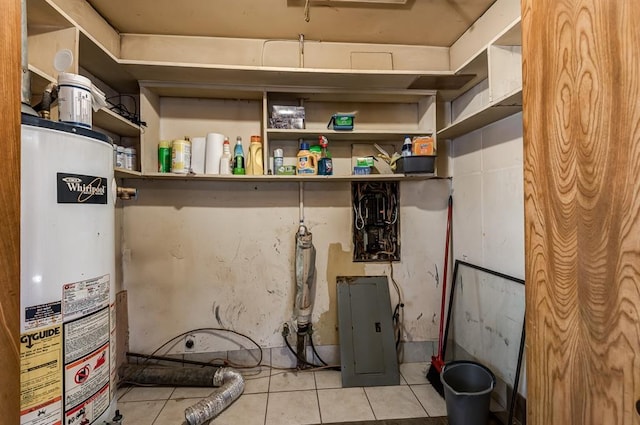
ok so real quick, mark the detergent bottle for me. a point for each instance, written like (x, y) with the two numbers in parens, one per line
(306, 163)
(254, 159)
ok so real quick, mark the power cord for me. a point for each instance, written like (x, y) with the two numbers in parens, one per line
(122, 110)
(398, 311)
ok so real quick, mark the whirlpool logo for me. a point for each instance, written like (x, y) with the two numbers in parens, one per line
(81, 189)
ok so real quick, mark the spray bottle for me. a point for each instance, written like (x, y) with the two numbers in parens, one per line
(225, 160)
(325, 164)
(238, 157)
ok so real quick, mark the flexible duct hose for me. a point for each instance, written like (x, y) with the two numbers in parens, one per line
(231, 385)
(229, 381)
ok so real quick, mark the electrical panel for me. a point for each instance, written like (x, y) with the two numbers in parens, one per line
(376, 221)
(367, 347)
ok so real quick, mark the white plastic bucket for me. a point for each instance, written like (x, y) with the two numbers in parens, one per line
(74, 99)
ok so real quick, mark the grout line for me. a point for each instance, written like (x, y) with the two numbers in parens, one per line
(266, 409)
(369, 401)
(419, 402)
(315, 384)
(163, 406)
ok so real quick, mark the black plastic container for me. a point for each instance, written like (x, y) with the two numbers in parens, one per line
(424, 164)
(467, 392)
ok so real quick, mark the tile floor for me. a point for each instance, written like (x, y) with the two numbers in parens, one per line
(278, 397)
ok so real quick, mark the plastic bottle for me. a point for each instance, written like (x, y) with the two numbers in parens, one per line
(164, 156)
(238, 157)
(306, 162)
(325, 164)
(407, 146)
(225, 159)
(278, 161)
(254, 159)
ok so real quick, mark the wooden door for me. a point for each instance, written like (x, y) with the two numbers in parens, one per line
(581, 77)
(9, 211)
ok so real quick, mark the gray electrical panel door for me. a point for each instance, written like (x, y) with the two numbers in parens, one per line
(367, 346)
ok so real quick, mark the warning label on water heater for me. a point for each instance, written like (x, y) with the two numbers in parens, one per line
(87, 367)
(85, 297)
(41, 376)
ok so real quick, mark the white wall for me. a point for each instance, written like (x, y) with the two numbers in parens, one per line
(488, 193)
(488, 223)
(212, 254)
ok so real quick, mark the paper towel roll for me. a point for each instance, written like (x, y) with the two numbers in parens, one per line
(198, 154)
(213, 153)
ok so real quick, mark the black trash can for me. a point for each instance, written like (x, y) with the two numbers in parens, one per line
(467, 392)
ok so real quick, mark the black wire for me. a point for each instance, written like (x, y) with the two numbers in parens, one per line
(297, 355)
(313, 348)
(120, 96)
(211, 330)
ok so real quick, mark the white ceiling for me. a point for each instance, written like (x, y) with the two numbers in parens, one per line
(416, 22)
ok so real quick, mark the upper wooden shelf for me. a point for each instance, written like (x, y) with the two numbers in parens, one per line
(292, 78)
(502, 108)
(477, 65)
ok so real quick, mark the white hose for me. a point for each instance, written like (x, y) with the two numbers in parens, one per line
(231, 385)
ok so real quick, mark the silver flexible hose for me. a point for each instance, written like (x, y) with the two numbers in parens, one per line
(231, 385)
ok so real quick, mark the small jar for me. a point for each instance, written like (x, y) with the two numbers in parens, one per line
(130, 158)
(119, 156)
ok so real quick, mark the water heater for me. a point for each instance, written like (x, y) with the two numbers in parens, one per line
(67, 273)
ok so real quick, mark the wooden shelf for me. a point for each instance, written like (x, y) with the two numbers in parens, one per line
(369, 135)
(103, 118)
(281, 179)
(39, 80)
(502, 108)
(282, 76)
(127, 174)
(109, 120)
(95, 59)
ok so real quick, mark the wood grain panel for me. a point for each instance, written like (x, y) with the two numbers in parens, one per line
(581, 76)
(10, 211)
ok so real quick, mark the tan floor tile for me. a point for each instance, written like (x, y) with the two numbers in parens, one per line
(328, 379)
(249, 409)
(173, 411)
(147, 394)
(140, 412)
(293, 408)
(256, 380)
(415, 373)
(191, 392)
(430, 400)
(291, 381)
(344, 404)
(394, 402)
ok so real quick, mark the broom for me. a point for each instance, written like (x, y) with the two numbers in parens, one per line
(437, 362)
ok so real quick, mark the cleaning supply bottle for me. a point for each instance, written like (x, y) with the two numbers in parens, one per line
(306, 163)
(407, 146)
(225, 159)
(325, 164)
(238, 157)
(254, 159)
(278, 161)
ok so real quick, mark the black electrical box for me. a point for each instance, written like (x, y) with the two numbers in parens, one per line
(376, 221)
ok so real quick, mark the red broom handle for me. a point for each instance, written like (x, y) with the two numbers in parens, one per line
(444, 278)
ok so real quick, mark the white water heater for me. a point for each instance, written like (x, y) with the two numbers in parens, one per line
(67, 275)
